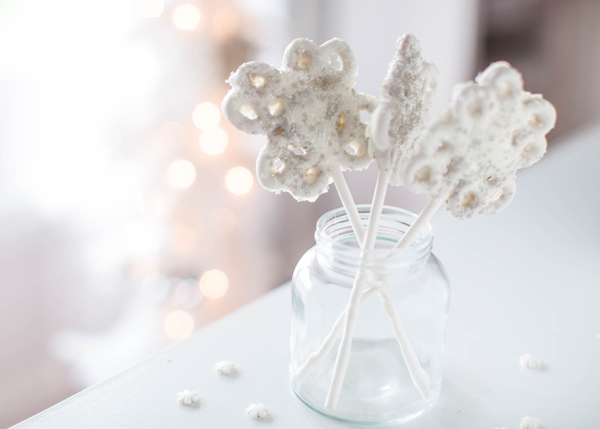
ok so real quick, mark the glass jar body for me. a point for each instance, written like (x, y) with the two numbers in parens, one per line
(378, 385)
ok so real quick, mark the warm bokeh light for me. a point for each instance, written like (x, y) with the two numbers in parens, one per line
(182, 174)
(214, 284)
(186, 17)
(239, 180)
(150, 8)
(179, 324)
(213, 142)
(226, 21)
(206, 116)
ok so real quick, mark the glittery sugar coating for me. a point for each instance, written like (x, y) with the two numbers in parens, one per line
(310, 113)
(403, 108)
(473, 150)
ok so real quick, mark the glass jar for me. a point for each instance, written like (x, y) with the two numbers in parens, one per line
(395, 367)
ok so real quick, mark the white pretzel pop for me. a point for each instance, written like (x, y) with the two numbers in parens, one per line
(394, 128)
(310, 113)
(403, 108)
(470, 154)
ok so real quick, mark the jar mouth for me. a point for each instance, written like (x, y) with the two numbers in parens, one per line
(334, 235)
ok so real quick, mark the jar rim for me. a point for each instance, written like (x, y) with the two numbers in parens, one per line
(327, 239)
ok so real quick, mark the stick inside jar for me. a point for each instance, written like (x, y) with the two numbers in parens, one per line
(421, 221)
(358, 295)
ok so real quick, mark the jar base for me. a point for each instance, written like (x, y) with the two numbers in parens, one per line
(378, 388)
(367, 422)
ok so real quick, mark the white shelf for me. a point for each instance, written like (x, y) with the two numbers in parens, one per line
(524, 281)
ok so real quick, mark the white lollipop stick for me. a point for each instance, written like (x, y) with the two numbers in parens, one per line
(424, 217)
(317, 357)
(418, 375)
(348, 202)
(343, 356)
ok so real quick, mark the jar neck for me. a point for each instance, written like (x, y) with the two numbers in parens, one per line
(338, 248)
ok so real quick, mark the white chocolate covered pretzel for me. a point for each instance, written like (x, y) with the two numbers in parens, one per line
(471, 153)
(403, 108)
(310, 113)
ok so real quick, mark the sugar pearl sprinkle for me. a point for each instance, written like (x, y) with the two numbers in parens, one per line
(310, 113)
(530, 361)
(188, 397)
(403, 108)
(225, 367)
(257, 411)
(471, 153)
(530, 423)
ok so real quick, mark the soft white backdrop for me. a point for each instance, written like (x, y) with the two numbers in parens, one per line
(98, 249)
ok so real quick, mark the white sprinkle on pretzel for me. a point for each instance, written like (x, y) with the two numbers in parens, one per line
(471, 153)
(310, 113)
(403, 107)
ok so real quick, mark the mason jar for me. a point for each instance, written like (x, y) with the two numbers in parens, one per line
(395, 366)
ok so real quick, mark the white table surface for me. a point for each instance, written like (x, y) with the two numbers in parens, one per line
(524, 281)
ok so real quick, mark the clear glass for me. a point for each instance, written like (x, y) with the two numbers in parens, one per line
(378, 387)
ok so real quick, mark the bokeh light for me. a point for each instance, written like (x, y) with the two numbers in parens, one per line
(213, 142)
(186, 17)
(226, 21)
(150, 8)
(214, 284)
(239, 180)
(182, 174)
(179, 324)
(206, 116)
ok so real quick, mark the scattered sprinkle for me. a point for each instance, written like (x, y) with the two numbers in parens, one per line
(188, 397)
(530, 423)
(530, 361)
(257, 411)
(225, 367)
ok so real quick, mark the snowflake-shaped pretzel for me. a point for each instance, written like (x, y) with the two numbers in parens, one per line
(257, 411)
(188, 397)
(403, 108)
(472, 152)
(310, 113)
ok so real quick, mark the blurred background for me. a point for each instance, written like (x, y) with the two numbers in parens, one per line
(130, 215)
